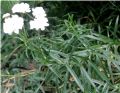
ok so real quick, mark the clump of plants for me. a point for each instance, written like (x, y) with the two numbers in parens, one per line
(64, 58)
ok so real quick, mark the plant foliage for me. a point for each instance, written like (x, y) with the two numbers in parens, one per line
(68, 57)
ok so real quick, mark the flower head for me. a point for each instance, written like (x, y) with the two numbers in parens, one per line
(21, 8)
(40, 20)
(39, 23)
(13, 24)
(38, 12)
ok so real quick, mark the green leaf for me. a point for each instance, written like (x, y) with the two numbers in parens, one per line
(77, 80)
(88, 77)
(101, 75)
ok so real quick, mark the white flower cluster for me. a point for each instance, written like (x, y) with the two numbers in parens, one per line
(13, 23)
(21, 8)
(40, 20)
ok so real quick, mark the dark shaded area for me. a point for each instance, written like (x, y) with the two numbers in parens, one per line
(101, 14)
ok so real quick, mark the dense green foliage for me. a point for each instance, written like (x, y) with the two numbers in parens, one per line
(78, 53)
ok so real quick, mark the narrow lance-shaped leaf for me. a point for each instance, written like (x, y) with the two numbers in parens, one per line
(77, 80)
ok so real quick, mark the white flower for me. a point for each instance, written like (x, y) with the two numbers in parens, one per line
(40, 20)
(13, 24)
(38, 12)
(6, 15)
(21, 8)
(39, 23)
